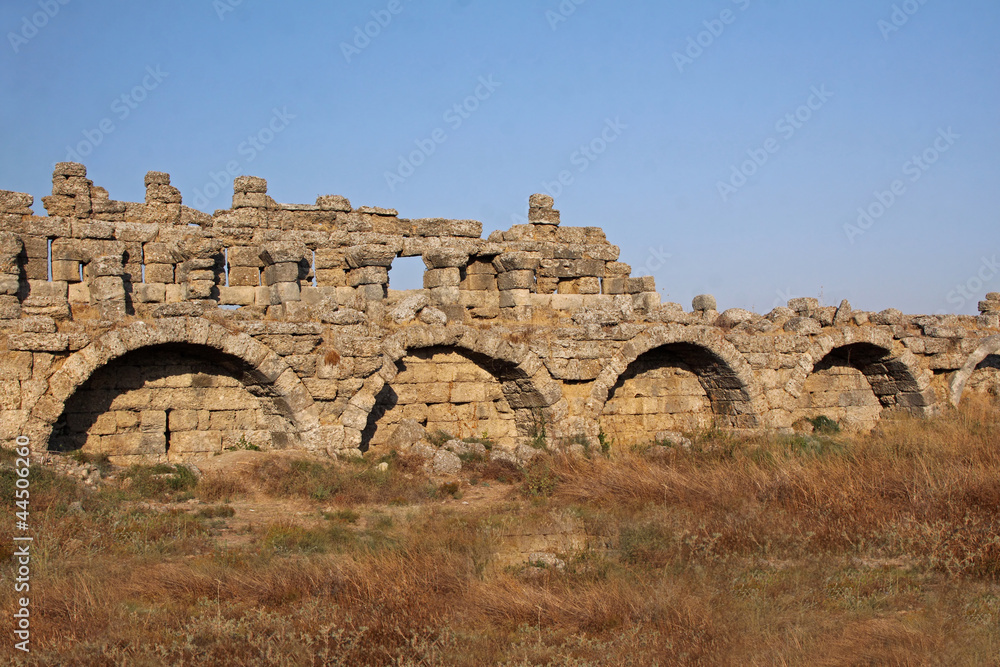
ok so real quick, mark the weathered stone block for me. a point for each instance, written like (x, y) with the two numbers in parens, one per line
(479, 281)
(150, 293)
(107, 288)
(237, 296)
(516, 280)
(159, 273)
(442, 278)
(283, 272)
(368, 275)
(249, 184)
(442, 258)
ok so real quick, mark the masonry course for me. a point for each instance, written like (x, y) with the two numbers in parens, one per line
(154, 332)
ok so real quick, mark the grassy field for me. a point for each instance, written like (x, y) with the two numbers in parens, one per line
(808, 550)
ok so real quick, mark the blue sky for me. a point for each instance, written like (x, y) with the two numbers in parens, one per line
(668, 121)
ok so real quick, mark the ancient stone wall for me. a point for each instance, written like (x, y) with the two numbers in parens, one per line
(153, 331)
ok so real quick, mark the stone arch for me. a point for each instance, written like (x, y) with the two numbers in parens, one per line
(959, 380)
(265, 366)
(701, 358)
(897, 382)
(526, 384)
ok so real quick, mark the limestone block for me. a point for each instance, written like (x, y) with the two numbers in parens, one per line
(517, 261)
(446, 295)
(515, 297)
(543, 216)
(250, 200)
(153, 421)
(263, 297)
(434, 317)
(331, 277)
(175, 293)
(245, 256)
(277, 252)
(370, 255)
(479, 282)
(516, 280)
(183, 420)
(733, 316)
(441, 258)
(641, 284)
(408, 307)
(614, 285)
(442, 277)
(199, 289)
(66, 270)
(372, 292)
(150, 293)
(195, 442)
(159, 273)
(201, 274)
(368, 275)
(9, 284)
(107, 288)
(106, 265)
(333, 203)
(802, 325)
(237, 296)
(285, 292)
(283, 272)
(249, 184)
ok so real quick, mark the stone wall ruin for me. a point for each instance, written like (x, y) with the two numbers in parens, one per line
(152, 331)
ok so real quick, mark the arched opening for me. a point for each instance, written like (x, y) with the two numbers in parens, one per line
(456, 391)
(985, 379)
(674, 387)
(850, 385)
(172, 402)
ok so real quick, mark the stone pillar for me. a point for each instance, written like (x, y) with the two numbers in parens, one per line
(107, 290)
(10, 279)
(163, 201)
(540, 211)
(444, 274)
(197, 279)
(70, 192)
(368, 270)
(516, 282)
(989, 310)
(282, 270)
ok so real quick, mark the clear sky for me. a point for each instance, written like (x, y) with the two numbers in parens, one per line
(727, 146)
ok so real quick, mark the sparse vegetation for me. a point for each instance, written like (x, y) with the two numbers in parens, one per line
(834, 548)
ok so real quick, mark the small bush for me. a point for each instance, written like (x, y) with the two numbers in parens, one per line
(824, 424)
(439, 437)
(540, 480)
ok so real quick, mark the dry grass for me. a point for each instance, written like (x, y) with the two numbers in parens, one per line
(848, 550)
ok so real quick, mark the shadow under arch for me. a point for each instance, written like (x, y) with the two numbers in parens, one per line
(722, 373)
(263, 366)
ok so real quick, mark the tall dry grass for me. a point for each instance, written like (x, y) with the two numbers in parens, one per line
(872, 549)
